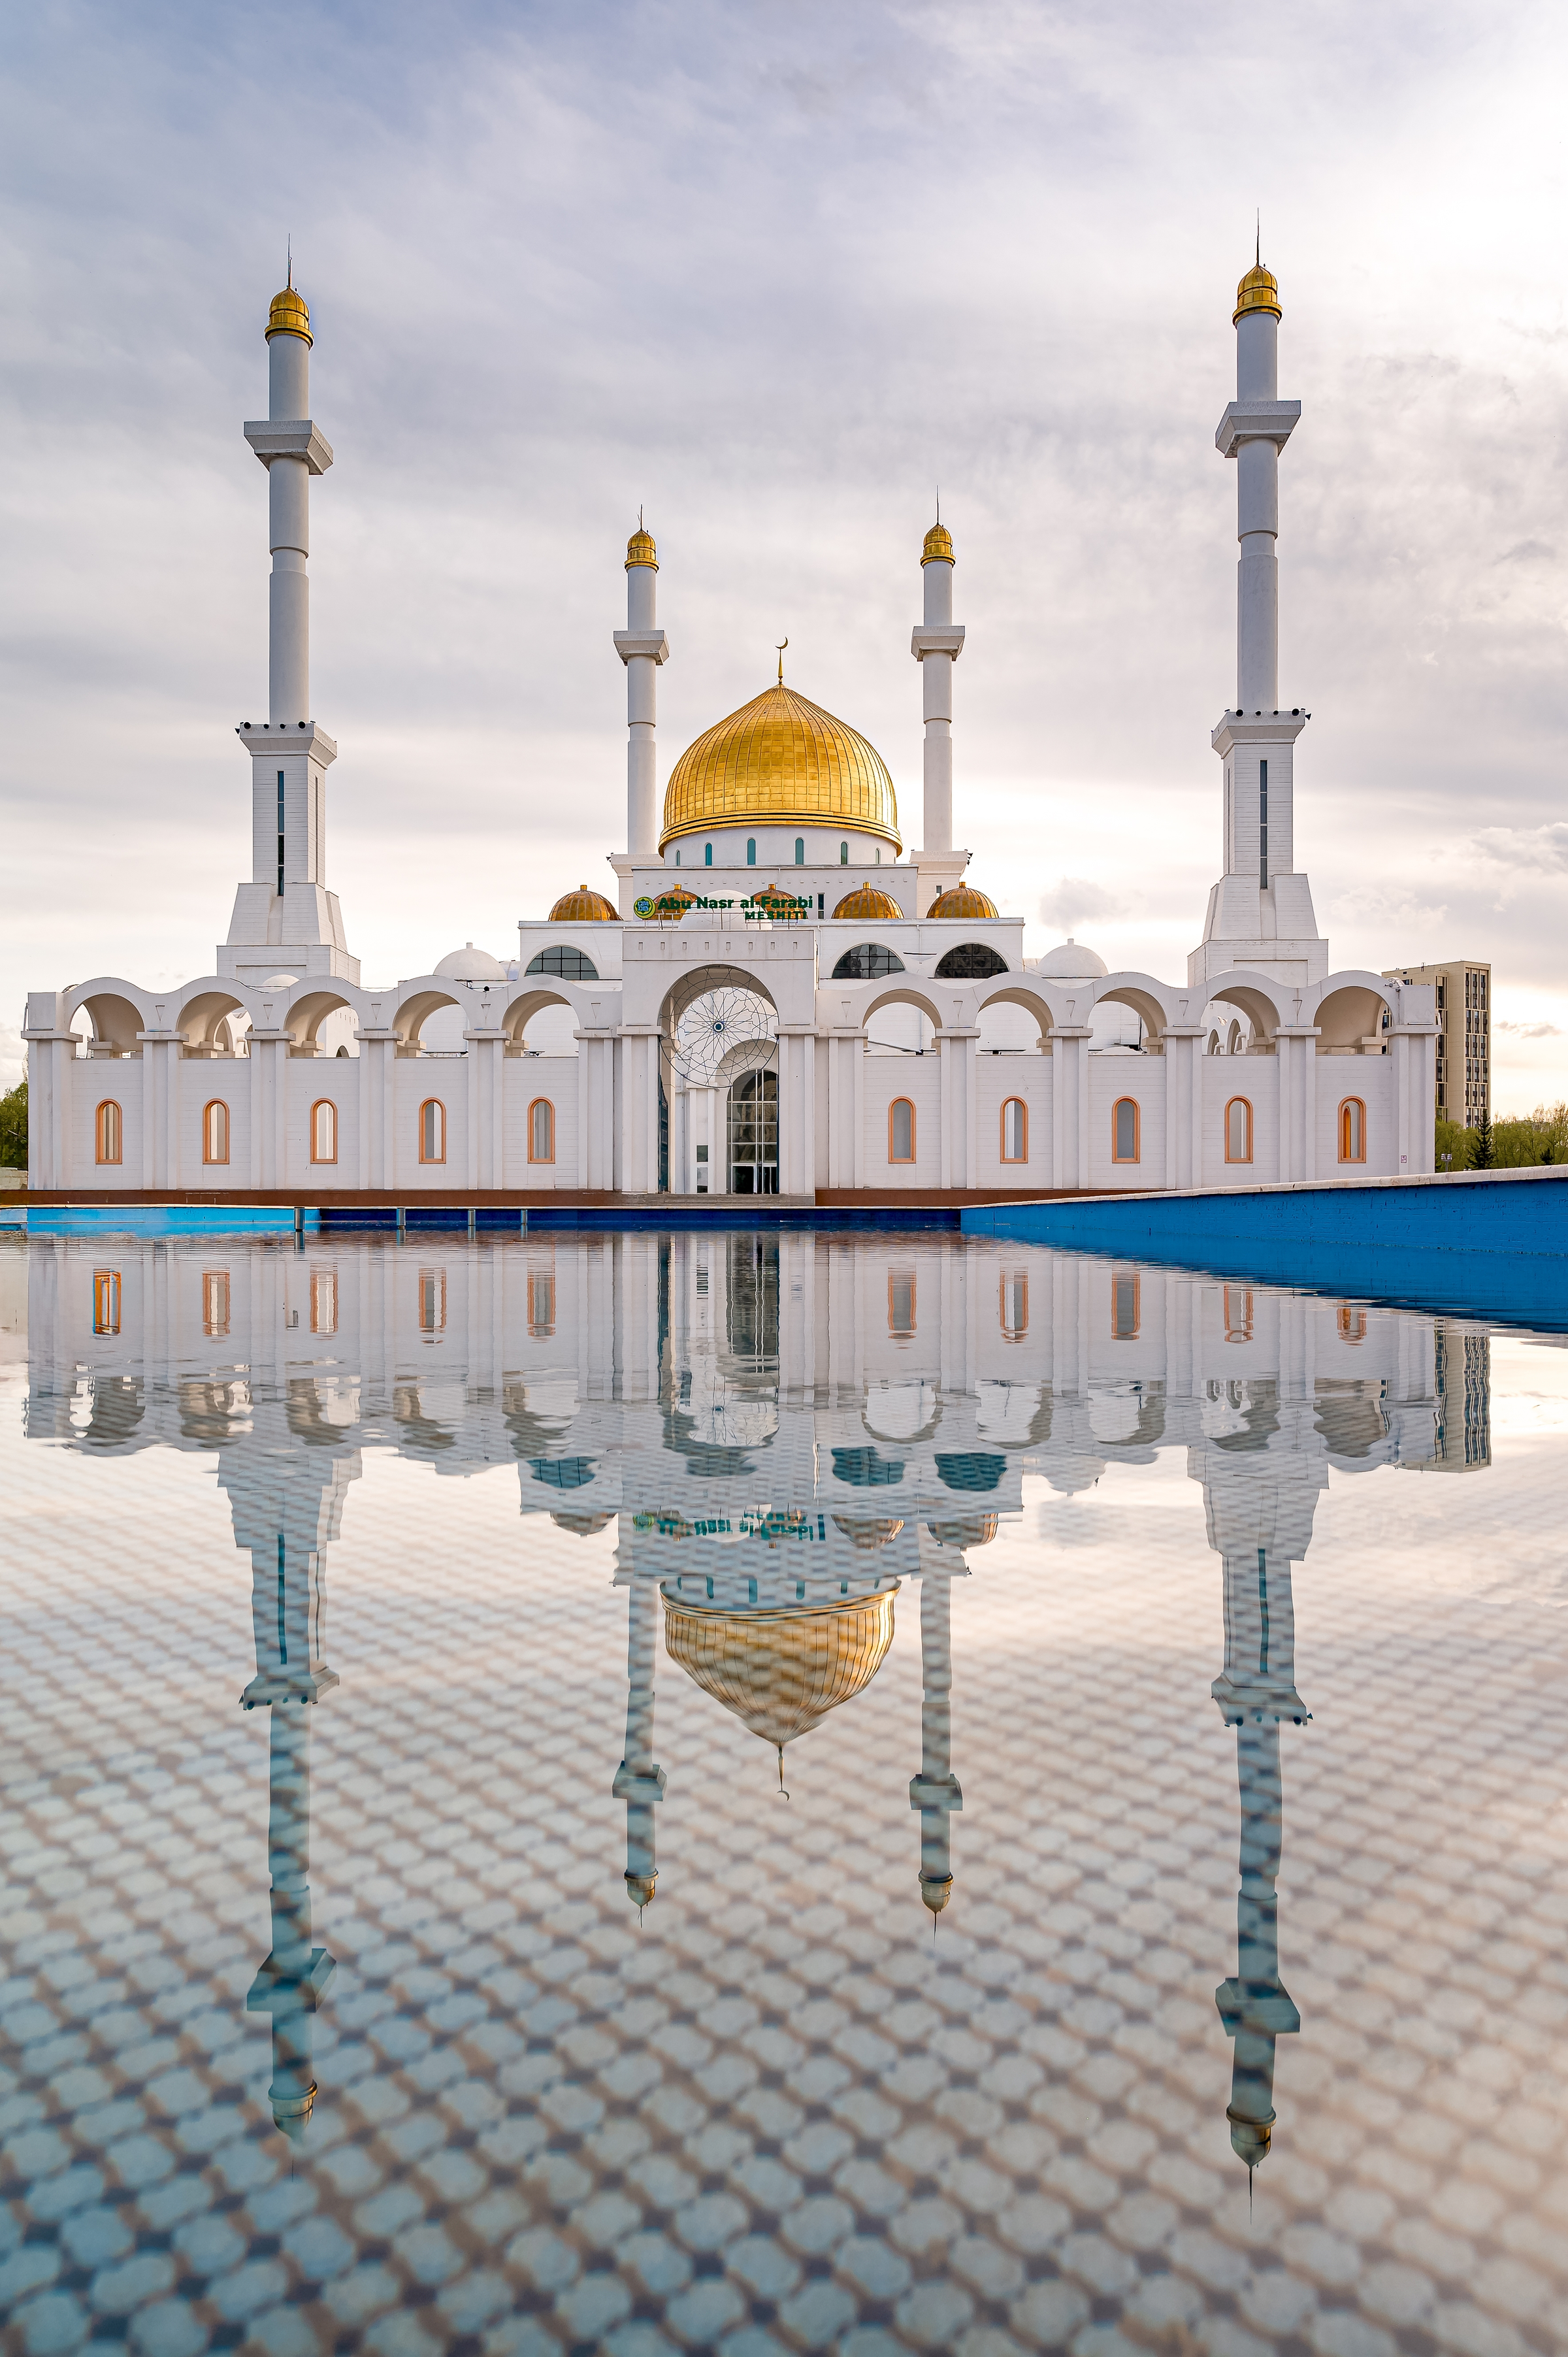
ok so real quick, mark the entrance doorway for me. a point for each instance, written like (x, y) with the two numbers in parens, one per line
(754, 1134)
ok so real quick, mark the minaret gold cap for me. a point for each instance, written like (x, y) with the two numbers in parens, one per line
(1258, 291)
(639, 550)
(289, 315)
(938, 549)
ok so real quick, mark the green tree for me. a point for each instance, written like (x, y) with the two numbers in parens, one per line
(1483, 1146)
(1451, 1148)
(13, 1128)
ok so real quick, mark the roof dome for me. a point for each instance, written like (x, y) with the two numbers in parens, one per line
(289, 315)
(880, 1531)
(787, 762)
(781, 1672)
(1070, 962)
(1258, 291)
(584, 908)
(966, 1531)
(639, 550)
(964, 901)
(867, 901)
(938, 549)
(469, 964)
(668, 907)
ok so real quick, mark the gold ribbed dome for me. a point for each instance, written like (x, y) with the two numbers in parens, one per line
(868, 901)
(969, 1530)
(289, 315)
(786, 762)
(639, 550)
(938, 549)
(879, 1531)
(1258, 291)
(668, 909)
(964, 901)
(781, 1672)
(584, 908)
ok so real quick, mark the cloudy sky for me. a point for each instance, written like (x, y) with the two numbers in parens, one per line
(773, 272)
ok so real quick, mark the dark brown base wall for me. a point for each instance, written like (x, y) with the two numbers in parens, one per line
(827, 1199)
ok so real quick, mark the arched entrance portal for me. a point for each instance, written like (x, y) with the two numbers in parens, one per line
(754, 1134)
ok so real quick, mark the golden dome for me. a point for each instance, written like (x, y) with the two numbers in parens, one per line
(879, 1531)
(938, 549)
(1258, 291)
(964, 901)
(671, 905)
(786, 762)
(289, 315)
(781, 1672)
(639, 550)
(584, 908)
(969, 1530)
(867, 901)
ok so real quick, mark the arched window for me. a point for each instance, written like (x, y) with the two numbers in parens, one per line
(1238, 1131)
(866, 962)
(707, 855)
(844, 854)
(970, 962)
(1014, 1308)
(751, 851)
(1125, 1125)
(901, 1303)
(106, 1301)
(542, 1304)
(110, 1132)
(1014, 1131)
(324, 1131)
(215, 1132)
(215, 1301)
(900, 1131)
(1125, 1306)
(799, 851)
(541, 1131)
(1238, 1308)
(432, 1300)
(433, 1130)
(571, 965)
(677, 855)
(323, 1301)
(1352, 1131)
(1213, 1048)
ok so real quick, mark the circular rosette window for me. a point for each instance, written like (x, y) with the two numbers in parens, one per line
(722, 1035)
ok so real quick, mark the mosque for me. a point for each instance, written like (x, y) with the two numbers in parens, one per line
(781, 996)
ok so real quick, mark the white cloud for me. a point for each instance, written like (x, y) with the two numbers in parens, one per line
(1536, 848)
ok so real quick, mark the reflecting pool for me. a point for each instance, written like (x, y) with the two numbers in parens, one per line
(775, 1793)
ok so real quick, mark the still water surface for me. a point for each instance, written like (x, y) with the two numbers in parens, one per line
(720, 1792)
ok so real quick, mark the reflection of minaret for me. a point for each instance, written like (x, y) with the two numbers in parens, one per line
(1255, 1691)
(935, 1790)
(640, 1780)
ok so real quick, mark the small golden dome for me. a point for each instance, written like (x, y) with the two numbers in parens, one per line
(967, 1530)
(669, 905)
(289, 315)
(938, 549)
(784, 761)
(936, 1890)
(782, 1671)
(964, 901)
(868, 901)
(584, 908)
(639, 550)
(1258, 291)
(879, 1531)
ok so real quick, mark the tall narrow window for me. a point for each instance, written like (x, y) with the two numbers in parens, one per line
(215, 1301)
(900, 1131)
(707, 855)
(323, 1301)
(542, 1304)
(106, 1301)
(1263, 825)
(901, 1301)
(844, 854)
(1014, 1308)
(433, 1130)
(215, 1132)
(432, 1300)
(280, 833)
(1124, 1125)
(751, 851)
(110, 1132)
(1125, 1305)
(541, 1131)
(1352, 1131)
(799, 851)
(1238, 1131)
(1014, 1131)
(324, 1131)
(1238, 1313)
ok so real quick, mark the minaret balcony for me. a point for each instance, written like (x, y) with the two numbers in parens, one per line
(1256, 421)
(289, 437)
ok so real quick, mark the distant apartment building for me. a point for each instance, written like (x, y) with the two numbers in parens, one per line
(1463, 1036)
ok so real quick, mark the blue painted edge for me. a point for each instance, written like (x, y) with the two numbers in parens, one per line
(152, 1220)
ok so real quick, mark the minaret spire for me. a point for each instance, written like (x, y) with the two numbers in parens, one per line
(936, 1791)
(936, 646)
(640, 1780)
(642, 647)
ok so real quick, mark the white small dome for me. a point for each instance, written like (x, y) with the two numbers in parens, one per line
(469, 964)
(280, 982)
(1070, 962)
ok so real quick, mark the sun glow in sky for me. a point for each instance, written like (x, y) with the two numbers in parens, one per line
(773, 273)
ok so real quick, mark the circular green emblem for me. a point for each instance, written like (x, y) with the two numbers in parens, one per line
(644, 907)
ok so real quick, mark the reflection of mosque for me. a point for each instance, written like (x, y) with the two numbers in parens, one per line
(785, 1431)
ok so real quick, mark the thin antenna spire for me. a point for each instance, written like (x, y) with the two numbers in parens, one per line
(781, 1746)
(291, 261)
(938, 503)
(1258, 247)
(640, 525)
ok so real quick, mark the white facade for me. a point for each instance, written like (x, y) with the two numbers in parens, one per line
(280, 1071)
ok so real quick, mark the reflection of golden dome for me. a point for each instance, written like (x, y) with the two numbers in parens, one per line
(582, 1526)
(878, 1532)
(785, 761)
(584, 908)
(639, 550)
(865, 900)
(781, 1672)
(938, 549)
(964, 901)
(289, 315)
(967, 1530)
(1258, 291)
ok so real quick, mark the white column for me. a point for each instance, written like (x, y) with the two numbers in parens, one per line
(642, 647)
(936, 646)
(945, 1095)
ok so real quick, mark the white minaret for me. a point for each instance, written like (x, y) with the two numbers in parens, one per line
(284, 916)
(936, 1791)
(1260, 913)
(642, 647)
(936, 646)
